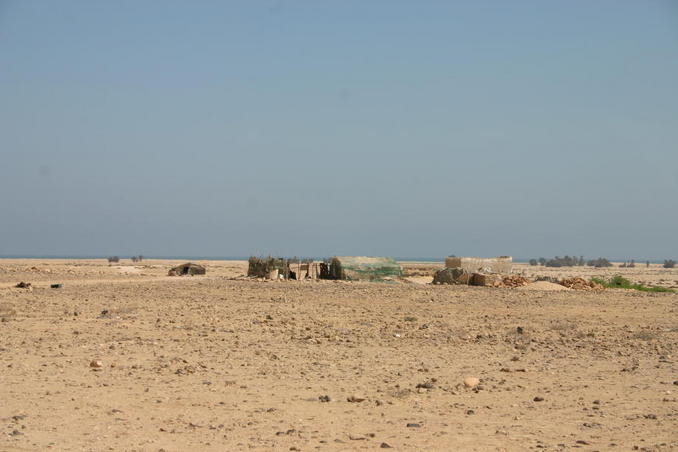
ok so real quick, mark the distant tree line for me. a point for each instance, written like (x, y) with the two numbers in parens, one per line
(571, 261)
(116, 259)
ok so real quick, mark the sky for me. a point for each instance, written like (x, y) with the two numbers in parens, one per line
(319, 128)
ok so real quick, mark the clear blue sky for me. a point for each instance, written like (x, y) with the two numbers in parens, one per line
(530, 128)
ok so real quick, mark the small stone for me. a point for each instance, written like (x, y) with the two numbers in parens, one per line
(325, 398)
(426, 385)
(471, 382)
(414, 425)
(385, 446)
(355, 399)
(538, 399)
(96, 364)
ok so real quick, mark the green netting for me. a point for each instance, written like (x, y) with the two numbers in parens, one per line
(354, 268)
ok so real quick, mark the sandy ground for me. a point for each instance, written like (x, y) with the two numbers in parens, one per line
(216, 362)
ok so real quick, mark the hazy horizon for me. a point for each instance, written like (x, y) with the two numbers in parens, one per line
(527, 128)
(521, 259)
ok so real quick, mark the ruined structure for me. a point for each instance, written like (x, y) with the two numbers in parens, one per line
(501, 264)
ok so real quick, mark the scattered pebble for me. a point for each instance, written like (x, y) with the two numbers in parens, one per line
(427, 384)
(471, 382)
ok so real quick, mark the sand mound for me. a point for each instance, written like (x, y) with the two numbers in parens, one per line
(418, 279)
(544, 285)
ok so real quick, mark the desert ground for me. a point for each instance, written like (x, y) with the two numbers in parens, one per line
(123, 357)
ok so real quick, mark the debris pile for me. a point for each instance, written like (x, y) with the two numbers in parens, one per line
(514, 281)
(578, 283)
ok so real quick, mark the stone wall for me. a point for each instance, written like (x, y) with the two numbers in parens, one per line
(502, 264)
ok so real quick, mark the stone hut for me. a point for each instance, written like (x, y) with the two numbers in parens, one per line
(189, 268)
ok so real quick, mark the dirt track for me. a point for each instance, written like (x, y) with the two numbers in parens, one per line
(213, 363)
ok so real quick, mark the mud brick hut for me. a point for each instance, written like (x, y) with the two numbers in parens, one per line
(360, 268)
(189, 268)
(501, 264)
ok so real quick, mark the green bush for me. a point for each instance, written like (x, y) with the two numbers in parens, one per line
(619, 282)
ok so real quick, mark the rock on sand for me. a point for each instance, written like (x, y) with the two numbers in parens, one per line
(471, 382)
